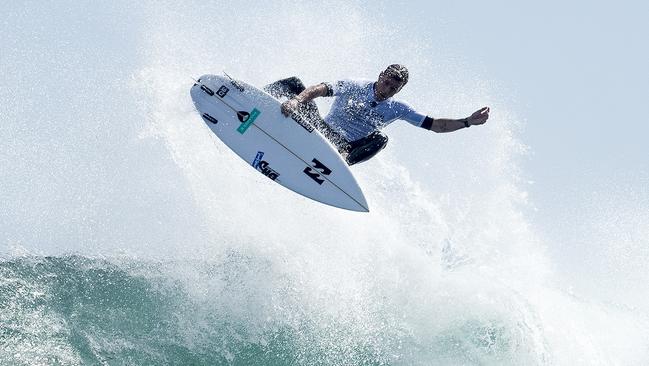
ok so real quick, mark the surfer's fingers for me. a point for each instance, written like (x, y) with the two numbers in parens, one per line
(285, 109)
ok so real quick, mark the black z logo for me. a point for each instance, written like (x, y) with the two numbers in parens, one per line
(223, 91)
(319, 169)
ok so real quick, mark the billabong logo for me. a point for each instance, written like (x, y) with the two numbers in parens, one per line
(315, 171)
(223, 91)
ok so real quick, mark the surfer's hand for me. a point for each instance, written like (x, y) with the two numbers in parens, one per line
(289, 106)
(479, 117)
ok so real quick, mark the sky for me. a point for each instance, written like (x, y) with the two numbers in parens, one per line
(577, 71)
(573, 74)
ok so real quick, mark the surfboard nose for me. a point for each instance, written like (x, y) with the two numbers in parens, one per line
(361, 202)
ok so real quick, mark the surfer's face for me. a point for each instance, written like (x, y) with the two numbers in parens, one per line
(386, 87)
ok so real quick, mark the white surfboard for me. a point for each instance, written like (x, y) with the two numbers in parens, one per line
(287, 150)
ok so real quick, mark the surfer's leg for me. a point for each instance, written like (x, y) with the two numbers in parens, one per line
(289, 88)
(363, 149)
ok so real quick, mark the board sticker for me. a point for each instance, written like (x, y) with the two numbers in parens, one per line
(223, 91)
(210, 118)
(247, 119)
(255, 163)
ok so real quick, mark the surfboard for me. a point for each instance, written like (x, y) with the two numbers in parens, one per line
(287, 150)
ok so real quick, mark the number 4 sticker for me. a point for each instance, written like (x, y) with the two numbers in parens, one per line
(315, 171)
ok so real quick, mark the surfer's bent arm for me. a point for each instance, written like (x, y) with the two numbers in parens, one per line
(307, 95)
(441, 125)
(312, 92)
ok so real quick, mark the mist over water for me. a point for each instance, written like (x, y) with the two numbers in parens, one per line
(130, 235)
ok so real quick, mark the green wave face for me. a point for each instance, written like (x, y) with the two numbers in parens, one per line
(241, 311)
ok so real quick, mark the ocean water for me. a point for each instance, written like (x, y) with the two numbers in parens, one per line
(130, 236)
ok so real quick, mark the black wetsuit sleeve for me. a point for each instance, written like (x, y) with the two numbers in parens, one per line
(330, 90)
(428, 123)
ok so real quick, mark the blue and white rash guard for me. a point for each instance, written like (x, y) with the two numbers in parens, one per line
(355, 112)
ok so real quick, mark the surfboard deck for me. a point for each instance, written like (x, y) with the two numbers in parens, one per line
(288, 151)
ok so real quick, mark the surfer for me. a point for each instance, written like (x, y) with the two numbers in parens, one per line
(360, 110)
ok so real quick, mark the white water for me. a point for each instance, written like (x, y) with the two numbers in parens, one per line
(103, 155)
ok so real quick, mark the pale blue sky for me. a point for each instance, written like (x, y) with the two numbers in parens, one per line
(574, 73)
(578, 71)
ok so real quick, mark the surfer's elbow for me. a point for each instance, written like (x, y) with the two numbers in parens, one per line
(319, 90)
(432, 125)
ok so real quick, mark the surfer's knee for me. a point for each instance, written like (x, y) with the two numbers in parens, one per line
(288, 87)
(366, 148)
(294, 84)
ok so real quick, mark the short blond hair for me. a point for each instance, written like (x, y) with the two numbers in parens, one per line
(396, 71)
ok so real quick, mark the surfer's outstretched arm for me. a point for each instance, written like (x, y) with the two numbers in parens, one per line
(309, 94)
(441, 125)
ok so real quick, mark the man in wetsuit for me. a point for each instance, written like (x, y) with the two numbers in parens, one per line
(361, 109)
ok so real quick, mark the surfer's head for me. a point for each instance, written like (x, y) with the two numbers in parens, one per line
(390, 82)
